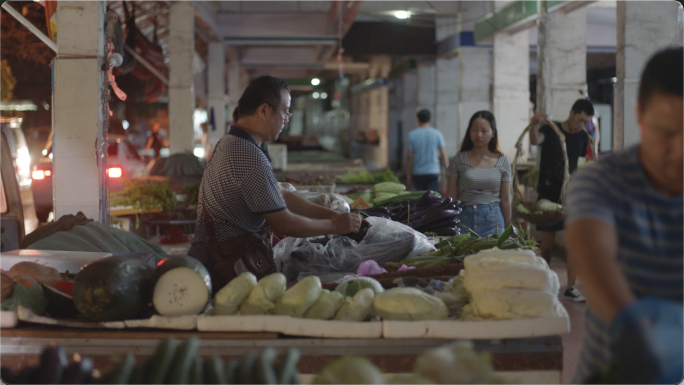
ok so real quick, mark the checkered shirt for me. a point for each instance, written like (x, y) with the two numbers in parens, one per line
(238, 187)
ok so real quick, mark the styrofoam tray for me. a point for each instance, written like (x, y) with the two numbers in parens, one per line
(27, 315)
(8, 319)
(188, 322)
(290, 326)
(481, 329)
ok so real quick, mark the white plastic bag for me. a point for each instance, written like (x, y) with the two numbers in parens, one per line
(385, 241)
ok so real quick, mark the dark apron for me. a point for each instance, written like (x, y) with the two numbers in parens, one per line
(251, 252)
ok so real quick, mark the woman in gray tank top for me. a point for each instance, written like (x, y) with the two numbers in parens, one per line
(480, 177)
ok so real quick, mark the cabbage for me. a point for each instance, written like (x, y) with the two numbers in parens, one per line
(299, 298)
(326, 306)
(409, 304)
(356, 308)
(228, 300)
(350, 370)
(455, 364)
(265, 293)
(352, 284)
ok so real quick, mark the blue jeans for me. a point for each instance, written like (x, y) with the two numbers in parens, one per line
(482, 219)
(426, 182)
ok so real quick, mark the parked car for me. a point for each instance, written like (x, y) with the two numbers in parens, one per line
(123, 163)
(21, 160)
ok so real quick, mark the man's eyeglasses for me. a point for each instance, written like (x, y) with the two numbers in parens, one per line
(286, 114)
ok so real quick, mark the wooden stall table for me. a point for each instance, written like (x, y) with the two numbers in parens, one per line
(526, 360)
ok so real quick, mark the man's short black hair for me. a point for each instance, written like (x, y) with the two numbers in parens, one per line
(583, 105)
(264, 89)
(663, 73)
(424, 116)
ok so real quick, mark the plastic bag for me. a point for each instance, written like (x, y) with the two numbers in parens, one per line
(299, 298)
(228, 300)
(370, 267)
(385, 241)
(267, 291)
(326, 306)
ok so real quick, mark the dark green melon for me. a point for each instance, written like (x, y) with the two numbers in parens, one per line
(113, 288)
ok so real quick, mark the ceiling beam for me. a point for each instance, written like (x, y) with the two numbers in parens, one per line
(279, 41)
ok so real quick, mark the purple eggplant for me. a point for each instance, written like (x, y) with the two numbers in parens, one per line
(428, 198)
(437, 217)
(446, 231)
(443, 223)
(447, 205)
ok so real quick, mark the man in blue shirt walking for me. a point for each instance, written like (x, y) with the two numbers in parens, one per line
(425, 153)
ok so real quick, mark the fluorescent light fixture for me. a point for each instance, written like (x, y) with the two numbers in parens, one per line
(315, 81)
(198, 152)
(316, 95)
(402, 14)
(125, 124)
(324, 95)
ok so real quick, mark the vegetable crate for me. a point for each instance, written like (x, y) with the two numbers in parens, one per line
(321, 188)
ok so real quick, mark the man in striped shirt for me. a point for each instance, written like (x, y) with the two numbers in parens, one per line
(624, 236)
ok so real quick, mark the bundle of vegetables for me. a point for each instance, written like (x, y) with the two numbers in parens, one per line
(362, 176)
(423, 211)
(456, 248)
(172, 363)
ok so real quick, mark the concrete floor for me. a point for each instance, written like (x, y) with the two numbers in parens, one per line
(572, 342)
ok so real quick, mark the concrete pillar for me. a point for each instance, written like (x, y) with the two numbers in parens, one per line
(511, 87)
(643, 27)
(427, 87)
(562, 58)
(217, 90)
(409, 108)
(445, 116)
(474, 82)
(79, 111)
(235, 87)
(181, 85)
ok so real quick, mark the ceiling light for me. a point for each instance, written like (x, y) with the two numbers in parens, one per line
(125, 124)
(402, 14)
(315, 81)
(315, 95)
(324, 95)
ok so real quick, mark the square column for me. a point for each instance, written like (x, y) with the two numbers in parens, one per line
(474, 82)
(181, 82)
(511, 86)
(409, 109)
(78, 113)
(643, 27)
(445, 116)
(217, 91)
(562, 57)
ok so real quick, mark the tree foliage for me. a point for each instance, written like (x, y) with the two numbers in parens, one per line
(17, 42)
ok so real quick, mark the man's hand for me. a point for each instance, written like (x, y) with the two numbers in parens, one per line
(345, 223)
(539, 117)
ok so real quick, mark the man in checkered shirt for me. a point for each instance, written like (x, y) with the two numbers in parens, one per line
(239, 188)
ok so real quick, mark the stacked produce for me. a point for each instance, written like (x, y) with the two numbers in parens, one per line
(37, 287)
(542, 206)
(509, 284)
(456, 248)
(424, 211)
(354, 299)
(362, 176)
(452, 364)
(172, 363)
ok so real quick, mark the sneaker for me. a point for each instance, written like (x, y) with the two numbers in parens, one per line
(574, 294)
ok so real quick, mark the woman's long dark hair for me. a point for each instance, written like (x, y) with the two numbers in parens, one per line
(493, 143)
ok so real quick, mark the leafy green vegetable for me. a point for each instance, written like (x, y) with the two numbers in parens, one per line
(409, 304)
(147, 196)
(191, 194)
(357, 308)
(31, 298)
(228, 300)
(266, 292)
(363, 176)
(326, 306)
(389, 187)
(350, 370)
(352, 285)
(455, 364)
(299, 298)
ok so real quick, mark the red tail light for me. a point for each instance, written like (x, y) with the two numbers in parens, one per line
(38, 174)
(48, 173)
(115, 172)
